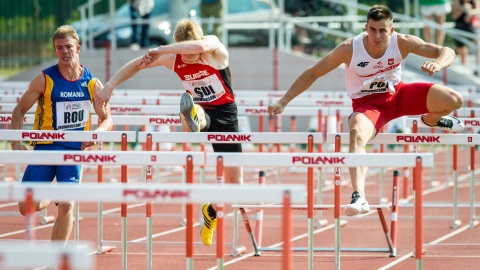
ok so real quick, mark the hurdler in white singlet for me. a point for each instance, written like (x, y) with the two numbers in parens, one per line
(366, 75)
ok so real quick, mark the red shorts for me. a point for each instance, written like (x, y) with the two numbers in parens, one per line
(408, 99)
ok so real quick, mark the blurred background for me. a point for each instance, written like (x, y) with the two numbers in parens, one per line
(26, 26)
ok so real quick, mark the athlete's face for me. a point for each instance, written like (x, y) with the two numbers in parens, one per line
(379, 33)
(66, 50)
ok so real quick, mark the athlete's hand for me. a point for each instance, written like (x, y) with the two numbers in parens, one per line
(275, 108)
(150, 56)
(430, 67)
(85, 145)
(103, 96)
(18, 146)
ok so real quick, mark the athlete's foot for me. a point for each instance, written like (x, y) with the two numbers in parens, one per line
(447, 122)
(189, 113)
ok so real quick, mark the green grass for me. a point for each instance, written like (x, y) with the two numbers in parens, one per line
(5, 73)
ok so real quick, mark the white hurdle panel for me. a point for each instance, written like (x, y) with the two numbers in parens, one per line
(416, 138)
(21, 254)
(165, 193)
(131, 120)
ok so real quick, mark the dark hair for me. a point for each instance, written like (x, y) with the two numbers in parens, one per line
(379, 13)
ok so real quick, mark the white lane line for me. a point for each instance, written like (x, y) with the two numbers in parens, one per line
(436, 241)
(245, 256)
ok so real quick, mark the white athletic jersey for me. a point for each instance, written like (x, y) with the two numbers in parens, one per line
(366, 75)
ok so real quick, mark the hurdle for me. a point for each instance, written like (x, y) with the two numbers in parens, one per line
(72, 136)
(336, 160)
(236, 137)
(22, 254)
(166, 193)
(435, 139)
(467, 139)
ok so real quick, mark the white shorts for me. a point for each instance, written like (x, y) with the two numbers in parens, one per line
(442, 9)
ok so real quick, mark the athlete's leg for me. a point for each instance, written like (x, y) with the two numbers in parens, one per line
(362, 130)
(64, 222)
(441, 100)
(233, 175)
(37, 174)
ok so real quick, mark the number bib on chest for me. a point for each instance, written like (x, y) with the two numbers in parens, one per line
(379, 84)
(205, 90)
(72, 114)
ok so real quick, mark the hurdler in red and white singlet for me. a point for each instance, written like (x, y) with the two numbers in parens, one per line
(208, 86)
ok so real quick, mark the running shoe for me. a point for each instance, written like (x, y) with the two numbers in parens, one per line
(358, 205)
(209, 223)
(189, 113)
(447, 122)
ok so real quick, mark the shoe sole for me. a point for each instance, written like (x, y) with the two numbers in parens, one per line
(186, 106)
(350, 211)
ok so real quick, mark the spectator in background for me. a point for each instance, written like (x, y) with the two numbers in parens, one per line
(211, 9)
(464, 14)
(140, 9)
(438, 10)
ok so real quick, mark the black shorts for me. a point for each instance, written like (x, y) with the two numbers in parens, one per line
(222, 118)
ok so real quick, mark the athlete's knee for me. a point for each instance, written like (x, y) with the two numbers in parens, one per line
(457, 100)
(65, 209)
(357, 137)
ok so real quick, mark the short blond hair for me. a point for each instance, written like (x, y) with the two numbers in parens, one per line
(65, 31)
(187, 30)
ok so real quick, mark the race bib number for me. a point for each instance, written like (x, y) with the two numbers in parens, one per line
(377, 85)
(205, 90)
(72, 114)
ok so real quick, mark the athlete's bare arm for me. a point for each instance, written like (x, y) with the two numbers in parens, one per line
(442, 56)
(342, 54)
(103, 113)
(29, 98)
(210, 47)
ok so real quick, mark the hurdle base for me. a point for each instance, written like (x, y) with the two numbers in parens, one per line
(393, 253)
(47, 220)
(238, 251)
(456, 224)
(434, 183)
(346, 249)
(104, 249)
(474, 224)
(321, 223)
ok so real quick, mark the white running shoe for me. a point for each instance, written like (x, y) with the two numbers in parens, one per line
(358, 205)
(447, 122)
(189, 113)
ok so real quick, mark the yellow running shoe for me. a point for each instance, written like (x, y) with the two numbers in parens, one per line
(209, 223)
(189, 113)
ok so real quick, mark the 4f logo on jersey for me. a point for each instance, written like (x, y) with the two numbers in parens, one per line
(362, 64)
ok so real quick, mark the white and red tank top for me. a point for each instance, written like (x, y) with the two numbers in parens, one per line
(366, 75)
(207, 85)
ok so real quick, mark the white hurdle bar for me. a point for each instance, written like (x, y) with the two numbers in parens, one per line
(22, 254)
(242, 110)
(132, 120)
